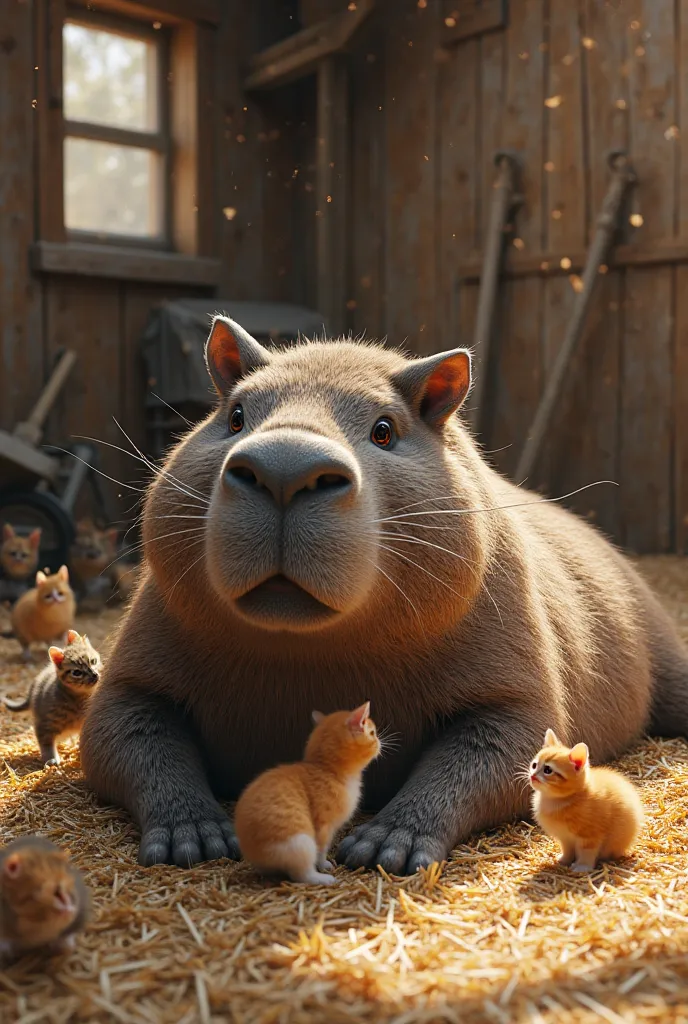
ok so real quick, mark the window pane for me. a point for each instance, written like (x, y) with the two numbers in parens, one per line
(112, 189)
(109, 78)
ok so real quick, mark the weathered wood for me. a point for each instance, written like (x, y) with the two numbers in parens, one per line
(456, 183)
(123, 263)
(681, 411)
(301, 53)
(412, 167)
(646, 470)
(488, 125)
(564, 178)
(332, 190)
(679, 139)
(470, 18)
(31, 429)
(49, 19)
(167, 11)
(21, 351)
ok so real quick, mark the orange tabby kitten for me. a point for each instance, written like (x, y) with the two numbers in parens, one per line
(45, 612)
(595, 813)
(285, 819)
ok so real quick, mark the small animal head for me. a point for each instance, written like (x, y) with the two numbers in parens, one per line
(93, 549)
(559, 771)
(346, 739)
(328, 487)
(78, 664)
(53, 589)
(19, 555)
(39, 890)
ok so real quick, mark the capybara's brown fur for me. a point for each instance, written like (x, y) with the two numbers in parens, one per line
(329, 535)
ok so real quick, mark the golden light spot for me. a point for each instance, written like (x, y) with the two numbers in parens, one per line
(565, 263)
(568, 60)
(544, 265)
(241, 138)
(603, 268)
(524, 55)
(450, 22)
(672, 132)
(588, 43)
(519, 244)
(636, 219)
(639, 51)
(229, 212)
(576, 282)
(553, 102)
(157, 25)
(352, 6)
(329, 199)
(549, 166)
(351, 304)
(621, 104)
(422, 4)
(634, 26)
(556, 214)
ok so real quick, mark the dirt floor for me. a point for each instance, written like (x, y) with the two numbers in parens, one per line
(501, 935)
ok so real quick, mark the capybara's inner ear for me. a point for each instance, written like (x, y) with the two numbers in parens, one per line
(436, 386)
(231, 353)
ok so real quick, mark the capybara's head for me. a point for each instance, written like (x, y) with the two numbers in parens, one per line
(332, 490)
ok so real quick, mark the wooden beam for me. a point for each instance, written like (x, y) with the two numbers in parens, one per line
(301, 53)
(124, 263)
(332, 190)
(169, 12)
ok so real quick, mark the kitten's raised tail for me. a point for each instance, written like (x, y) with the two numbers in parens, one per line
(17, 705)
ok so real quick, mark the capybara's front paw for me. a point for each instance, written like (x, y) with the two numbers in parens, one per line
(398, 849)
(188, 842)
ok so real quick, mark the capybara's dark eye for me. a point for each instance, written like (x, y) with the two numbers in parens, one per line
(382, 434)
(236, 419)
(547, 770)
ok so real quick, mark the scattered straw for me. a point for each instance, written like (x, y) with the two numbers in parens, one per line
(498, 934)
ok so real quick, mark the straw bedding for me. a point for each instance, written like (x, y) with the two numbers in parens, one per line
(500, 935)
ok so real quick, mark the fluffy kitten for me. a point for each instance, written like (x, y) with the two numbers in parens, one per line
(286, 818)
(594, 813)
(43, 899)
(18, 562)
(98, 573)
(45, 612)
(59, 695)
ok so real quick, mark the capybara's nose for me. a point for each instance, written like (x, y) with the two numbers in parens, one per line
(291, 464)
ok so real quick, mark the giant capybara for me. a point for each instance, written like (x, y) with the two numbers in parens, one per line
(331, 535)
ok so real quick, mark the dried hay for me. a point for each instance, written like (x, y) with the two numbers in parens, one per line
(501, 935)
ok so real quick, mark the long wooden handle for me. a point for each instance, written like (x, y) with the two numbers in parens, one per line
(52, 389)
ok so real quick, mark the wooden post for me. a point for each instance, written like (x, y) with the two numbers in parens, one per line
(332, 183)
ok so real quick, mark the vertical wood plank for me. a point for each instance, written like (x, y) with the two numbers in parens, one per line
(558, 299)
(682, 120)
(647, 410)
(410, 161)
(332, 190)
(565, 216)
(651, 48)
(456, 183)
(49, 18)
(20, 329)
(489, 128)
(208, 212)
(368, 184)
(681, 410)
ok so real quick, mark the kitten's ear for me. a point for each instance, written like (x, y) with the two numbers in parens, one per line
(551, 739)
(317, 717)
(11, 867)
(72, 636)
(8, 532)
(40, 577)
(357, 719)
(56, 655)
(578, 756)
(436, 386)
(231, 353)
(63, 574)
(35, 539)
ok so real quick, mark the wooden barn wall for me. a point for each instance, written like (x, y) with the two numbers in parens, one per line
(426, 122)
(250, 168)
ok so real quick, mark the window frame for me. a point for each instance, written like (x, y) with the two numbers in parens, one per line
(158, 142)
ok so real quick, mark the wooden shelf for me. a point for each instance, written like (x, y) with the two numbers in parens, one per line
(301, 53)
(124, 264)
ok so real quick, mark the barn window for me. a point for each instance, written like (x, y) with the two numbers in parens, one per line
(116, 130)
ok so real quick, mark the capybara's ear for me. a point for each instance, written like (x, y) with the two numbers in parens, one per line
(358, 717)
(578, 756)
(231, 353)
(551, 739)
(436, 386)
(35, 538)
(56, 655)
(8, 532)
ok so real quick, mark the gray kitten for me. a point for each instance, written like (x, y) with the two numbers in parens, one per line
(59, 695)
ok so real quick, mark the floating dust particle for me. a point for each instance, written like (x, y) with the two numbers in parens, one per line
(636, 219)
(549, 166)
(621, 104)
(157, 25)
(351, 304)
(565, 263)
(241, 138)
(366, 281)
(576, 282)
(519, 244)
(543, 47)
(634, 26)
(672, 132)
(557, 214)
(639, 51)
(544, 265)
(568, 60)
(426, 157)
(588, 43)
(352, 6)
(603, 268)
(422, 4)
(229, 212)
(34, 103)
(328, 199)
(553, 102)
(524, 55)
(450, 22)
